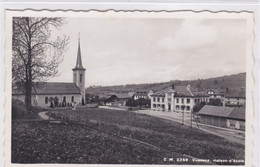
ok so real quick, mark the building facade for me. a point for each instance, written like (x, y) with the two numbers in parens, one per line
(229, 117)
(177, 98)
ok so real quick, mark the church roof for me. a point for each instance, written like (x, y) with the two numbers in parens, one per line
(50, 88)
(79, 61)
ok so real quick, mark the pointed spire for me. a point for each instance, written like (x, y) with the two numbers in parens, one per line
(79, 61)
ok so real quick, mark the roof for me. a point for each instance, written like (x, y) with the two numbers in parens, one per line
(79, 61)
(140, 94)
(51, 88)
(122, 95)
(220, 111)
(238, 113)
(216, 91)
(241, 94)
(181, 91)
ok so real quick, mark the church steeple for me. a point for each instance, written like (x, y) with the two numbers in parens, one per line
(79, 61)
(79, 73)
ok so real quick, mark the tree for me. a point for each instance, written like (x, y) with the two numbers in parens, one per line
(215, 82)
(215, 102)
(198, 107)
(51, 100)
(56, 101)
(131, 103)
(141, 102)
(35, 55)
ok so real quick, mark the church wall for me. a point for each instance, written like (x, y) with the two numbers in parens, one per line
(41, 99)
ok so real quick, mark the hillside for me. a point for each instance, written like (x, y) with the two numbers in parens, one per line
(236, 82)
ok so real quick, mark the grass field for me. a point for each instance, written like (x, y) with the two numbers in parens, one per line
(75, 143)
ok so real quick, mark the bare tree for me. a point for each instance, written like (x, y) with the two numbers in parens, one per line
(35, 55)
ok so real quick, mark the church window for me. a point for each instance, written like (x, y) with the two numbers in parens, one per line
(64, 99)
(80, 79)
(72, 99)
(46, 100)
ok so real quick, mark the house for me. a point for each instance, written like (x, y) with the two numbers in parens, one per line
(215, 94)
(149, 94)
(67, 93)
(177, 98)
(117, 99)
(235, 98)
(140, 94)
(231, 117)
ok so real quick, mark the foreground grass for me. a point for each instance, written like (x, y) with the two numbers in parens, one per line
(72, 143)
(160, 132)
(42, 142)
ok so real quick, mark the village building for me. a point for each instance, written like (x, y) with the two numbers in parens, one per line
(67, 93)
(231, 117)
(139, 95)
(117, 99)
(235, 99)
(149, 94)
(215, 94)
(177, 98)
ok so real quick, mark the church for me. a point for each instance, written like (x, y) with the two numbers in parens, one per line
(67, 93)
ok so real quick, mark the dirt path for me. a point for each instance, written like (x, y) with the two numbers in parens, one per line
(43, 115)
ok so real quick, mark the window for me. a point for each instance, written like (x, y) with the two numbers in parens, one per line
(177, 107)
(238, 98)
(154, 105)
(46, 100)
(177, 100)
(158, 99)
(188, 108)
(154, 99)
(72, 99)
(188, 100)
(162, 99)
(182, 101)
(80, 78)
(75, 78)
(169, 99)
(64, 99)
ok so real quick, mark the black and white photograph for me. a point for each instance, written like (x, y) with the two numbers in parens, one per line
(124, 88)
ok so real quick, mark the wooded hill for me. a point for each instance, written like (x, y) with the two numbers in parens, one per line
(236, 82)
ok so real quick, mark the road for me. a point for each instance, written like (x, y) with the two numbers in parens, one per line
(231, 135)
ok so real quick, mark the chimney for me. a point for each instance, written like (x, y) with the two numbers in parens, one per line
(172, 86)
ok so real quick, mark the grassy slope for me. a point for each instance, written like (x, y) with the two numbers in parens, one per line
(159, 132)
(42, 142)
(19, 111)
(233, 82)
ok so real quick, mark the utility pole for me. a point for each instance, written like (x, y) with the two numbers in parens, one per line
(182, 107)
(191, 112)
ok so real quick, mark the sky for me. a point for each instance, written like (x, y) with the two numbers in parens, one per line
(148, 50)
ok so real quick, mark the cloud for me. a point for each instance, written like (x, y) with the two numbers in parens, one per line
(125, 51)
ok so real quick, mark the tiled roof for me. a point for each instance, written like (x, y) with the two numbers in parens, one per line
(238, 113)
(140, 94)
(236, 94)
(122, 95)
(51, 88)
(220, 111)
